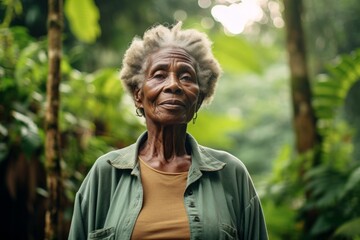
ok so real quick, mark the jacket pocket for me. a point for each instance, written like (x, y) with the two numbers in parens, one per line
(103, 234)
(227, 232)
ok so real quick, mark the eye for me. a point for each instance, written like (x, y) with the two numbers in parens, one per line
(159, 74)
(186, 77)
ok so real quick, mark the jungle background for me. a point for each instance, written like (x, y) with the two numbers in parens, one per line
(306, 194)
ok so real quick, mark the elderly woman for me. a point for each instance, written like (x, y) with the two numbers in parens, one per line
(167, 186)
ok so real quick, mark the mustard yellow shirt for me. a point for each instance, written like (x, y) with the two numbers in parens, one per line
(163, 214)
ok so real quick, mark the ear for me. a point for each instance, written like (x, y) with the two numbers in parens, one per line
(199, 101)
(138, 97)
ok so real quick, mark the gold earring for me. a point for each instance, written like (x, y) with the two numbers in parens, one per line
(139, 112)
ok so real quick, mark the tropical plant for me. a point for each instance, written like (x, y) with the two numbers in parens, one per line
(333, 184)
(337, 179)
(21, 134)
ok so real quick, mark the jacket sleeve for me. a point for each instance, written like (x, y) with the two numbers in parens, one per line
(78, 229)
(93, 199)
(255, 227)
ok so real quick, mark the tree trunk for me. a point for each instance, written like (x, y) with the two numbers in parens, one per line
(304, 120)
(306, 134)
(52, 149)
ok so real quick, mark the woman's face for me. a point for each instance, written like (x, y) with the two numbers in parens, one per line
(170, 93)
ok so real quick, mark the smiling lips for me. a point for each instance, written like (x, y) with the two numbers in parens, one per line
(173, 102)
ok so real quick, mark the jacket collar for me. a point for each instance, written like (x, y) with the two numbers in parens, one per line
(201, 160)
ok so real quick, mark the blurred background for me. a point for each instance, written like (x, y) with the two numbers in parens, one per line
(303, 155)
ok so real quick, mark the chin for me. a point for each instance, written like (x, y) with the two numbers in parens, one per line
(172, 121)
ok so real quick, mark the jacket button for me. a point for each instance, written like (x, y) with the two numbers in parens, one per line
(191, 204)
(196, 219)
(190, 192)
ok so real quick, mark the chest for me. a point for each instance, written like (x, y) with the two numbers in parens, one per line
(212, 210)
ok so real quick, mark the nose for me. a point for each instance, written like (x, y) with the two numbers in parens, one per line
(173, 85)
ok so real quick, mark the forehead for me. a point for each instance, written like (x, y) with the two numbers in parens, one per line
(170, 54)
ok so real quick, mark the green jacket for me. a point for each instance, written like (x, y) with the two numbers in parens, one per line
(220, 198)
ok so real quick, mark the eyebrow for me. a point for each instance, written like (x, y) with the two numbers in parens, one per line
(165, 66)
(162, 66)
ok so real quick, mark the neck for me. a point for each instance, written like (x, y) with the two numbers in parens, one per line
(165, 143)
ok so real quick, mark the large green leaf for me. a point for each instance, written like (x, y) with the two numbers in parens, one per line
(330, 91)
(83, 16)
(353, 181)
(349, 229)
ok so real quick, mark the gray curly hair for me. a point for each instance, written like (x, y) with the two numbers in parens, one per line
(192, 41)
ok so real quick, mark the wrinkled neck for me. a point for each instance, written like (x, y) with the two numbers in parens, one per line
(166, 142)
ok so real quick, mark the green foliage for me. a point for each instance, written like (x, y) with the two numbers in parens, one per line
(83, 16)
(218, 129)
(349, 230)
(18, 103)
(339, 204)
(331, 186)
(97, 105)
(95, 116)
(13, 8)
(280, 220)
(237, 55)
(329, 202)
(331, 90)
(261, 102)
(328, 37)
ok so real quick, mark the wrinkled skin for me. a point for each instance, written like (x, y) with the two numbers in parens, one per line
(169, 96)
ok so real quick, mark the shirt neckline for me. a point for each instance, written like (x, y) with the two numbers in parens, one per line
(161, 172)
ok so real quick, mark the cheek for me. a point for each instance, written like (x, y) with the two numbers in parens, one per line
(193, 94)
(151, 92)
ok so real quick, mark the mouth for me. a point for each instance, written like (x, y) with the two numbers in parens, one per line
(173, 102)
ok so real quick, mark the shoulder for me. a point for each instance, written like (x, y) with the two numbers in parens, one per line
(112, 159)
(234, 174)
(229, 159)
(103, 163)
(104, 160)
(103, 170)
